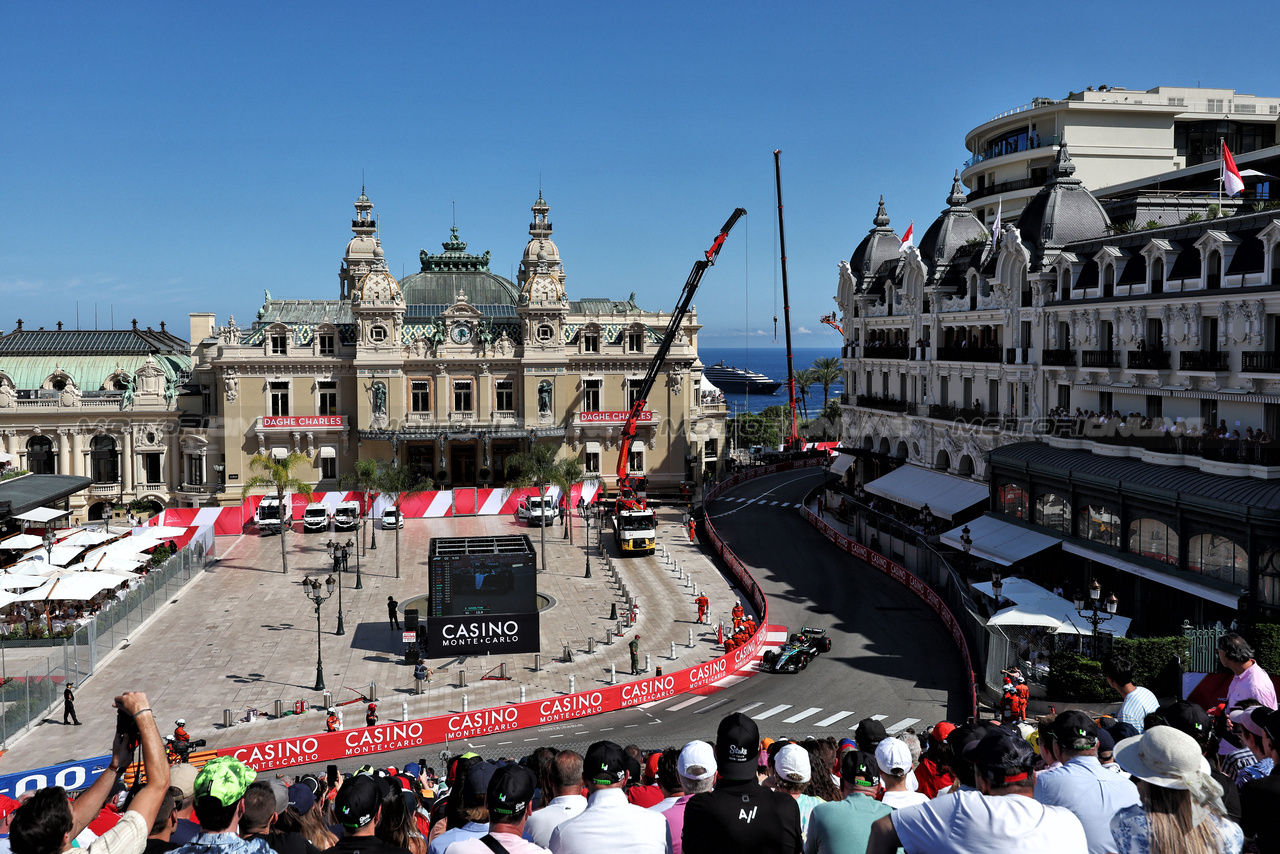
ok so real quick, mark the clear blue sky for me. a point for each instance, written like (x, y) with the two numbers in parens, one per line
(176, 157)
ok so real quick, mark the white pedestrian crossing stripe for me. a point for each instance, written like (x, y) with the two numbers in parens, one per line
(686, 704)
(838, 716)
(799, 716)
(748, 707)
(873, 717)
(894, 729)
(771, 712)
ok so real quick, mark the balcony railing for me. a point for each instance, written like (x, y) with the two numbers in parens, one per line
(1153, 360)
(873, 352)
(1011, 147)
(1260, 362)
(1059, 358)
(970, 354)
(1100, 358)
(1016, 355)
(1003, 187)
(1203, 360)
(887, 404)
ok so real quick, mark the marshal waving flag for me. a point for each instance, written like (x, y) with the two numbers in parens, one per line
(1232, 183)
(907, 238)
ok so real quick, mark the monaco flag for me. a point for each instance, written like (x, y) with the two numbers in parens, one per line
(906, 238)
(1231, 181)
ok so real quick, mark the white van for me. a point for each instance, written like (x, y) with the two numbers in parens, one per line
(316, 517)
(536, 510)
(346, 516)
(273, 513)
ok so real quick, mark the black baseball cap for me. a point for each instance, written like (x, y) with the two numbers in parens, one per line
(737, 745)
(605, 764)
(510, 790)
(357, 802)
(1075, 730)
(870, 732)
(1001, 756)
(1185, 717)
(858, 767)
(1268, 719)
(476, 784)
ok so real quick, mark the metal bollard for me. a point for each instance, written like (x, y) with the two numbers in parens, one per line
(695, 588)
(279, 709)
(690, 638)
(618, 629)
(613, 675)
(228, 720)
(573, 684)
(522, 693)
(646, 662)
(608, 637)
(591, 646)
(404, 710)
(626, 619)
(537, 662)
(502, 670)
(418, 686)
(464, 704)
(462, 678)
(567, 655)
(673, 650)
(328, 699)
(373, 692)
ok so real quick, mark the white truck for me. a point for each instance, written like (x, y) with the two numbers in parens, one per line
(346, 516)
(316, 517)
(272, 513)
(536, 510)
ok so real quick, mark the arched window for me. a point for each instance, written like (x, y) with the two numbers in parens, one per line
(1013, 501)
(1054, 511)
(104, 462)
(1098, 523)
(1108, 280)
(1213, 270)
(1153, 539)
(1157, 276)
(1064, 283)
(1268, 593)
(1218, 557)
(40, 456)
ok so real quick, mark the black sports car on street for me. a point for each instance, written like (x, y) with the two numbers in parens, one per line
(795, 655)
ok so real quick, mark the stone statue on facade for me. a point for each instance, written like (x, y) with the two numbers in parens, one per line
(126, 399)
(544, 399)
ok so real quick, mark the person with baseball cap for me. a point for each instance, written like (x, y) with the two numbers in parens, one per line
(1260, 799)
(475, 807)
(931, 774)
(1002, 817)
(357, 807)
(739, 814)
(219, 804)
(510, 800)
(1080, 783)
(696, 770)
(609, 823)
(893, 757)
(844, 826)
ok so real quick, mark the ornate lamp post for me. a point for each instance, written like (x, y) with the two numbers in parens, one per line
(997, 587)
(359, 579)
(108, 510)
(966, 541)
(336, 552)
(48, 547)
(1094, 610)
(311, 589)
(585, 514)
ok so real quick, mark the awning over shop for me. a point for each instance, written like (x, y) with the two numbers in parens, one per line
(1170, 577)
(328, 453)
(915, 487)
(1035, 606)
(279, 453)
(841, 465)
(999, 541)
(42, 515)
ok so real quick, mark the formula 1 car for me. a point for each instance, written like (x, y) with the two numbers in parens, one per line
(795, 655)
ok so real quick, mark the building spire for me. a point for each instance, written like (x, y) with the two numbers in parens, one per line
(363, 224)
(957, 199)
(882, 218)
(541, 226)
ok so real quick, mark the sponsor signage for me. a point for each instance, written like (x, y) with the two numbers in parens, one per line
(71, 776)
(302, 421)
(408, 637)
(612, 417)
(466, 634)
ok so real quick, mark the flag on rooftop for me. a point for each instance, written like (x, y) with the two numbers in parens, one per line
(906, 238)
(1232, 183)
(995, 229)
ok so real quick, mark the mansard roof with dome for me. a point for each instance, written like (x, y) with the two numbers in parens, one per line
(877, 255)
(443, 276)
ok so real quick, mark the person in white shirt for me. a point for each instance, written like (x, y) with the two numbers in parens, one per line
(566, 784)
(510, 801)
(1138, 702)
(609, 823)
(894, 760)
(1001, 817)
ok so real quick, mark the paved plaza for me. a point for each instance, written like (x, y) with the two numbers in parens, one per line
(243, 635)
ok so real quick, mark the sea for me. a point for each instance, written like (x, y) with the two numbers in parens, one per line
(772, 362)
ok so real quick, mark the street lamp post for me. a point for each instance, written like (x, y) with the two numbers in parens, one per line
(359, 578)
(1094, 610)
(48, 547)
(336, 552)
(966, 541)
(997, 587)
(108, 510)
(585, 513)
(311, 588)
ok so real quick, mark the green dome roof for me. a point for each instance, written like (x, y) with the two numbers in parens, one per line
(443, 276)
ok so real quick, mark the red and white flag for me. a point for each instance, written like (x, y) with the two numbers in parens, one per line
(1232, 183)
(906, 238)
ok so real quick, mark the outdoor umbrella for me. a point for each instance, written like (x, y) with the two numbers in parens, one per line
(22, 541)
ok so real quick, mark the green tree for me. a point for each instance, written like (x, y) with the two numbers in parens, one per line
(536, 468)
(365, 481)
(827, 372)
(400, 482)
(804, 379)
(277, 474)
(756, 429)
(568, 473)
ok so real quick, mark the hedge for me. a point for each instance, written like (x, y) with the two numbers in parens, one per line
(1265, 639)
(1072, 677)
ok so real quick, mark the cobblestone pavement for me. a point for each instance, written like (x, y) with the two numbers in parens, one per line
(244, 635)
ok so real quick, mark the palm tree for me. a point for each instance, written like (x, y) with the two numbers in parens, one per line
(536, 467)
(569, 472)
(277, 474)
(400, 482)
(827, 372)
(804, 379)
(365, 481)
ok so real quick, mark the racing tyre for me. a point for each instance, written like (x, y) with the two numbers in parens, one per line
(804, 662)
(824, 645)
(769, 658)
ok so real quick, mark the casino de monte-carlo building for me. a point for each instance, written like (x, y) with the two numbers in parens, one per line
(1110, 385)
(451, 371)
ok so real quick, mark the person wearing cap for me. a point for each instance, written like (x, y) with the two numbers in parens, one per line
(261, 810)
(183, 778)
(1260, 799)
(696, 771)
(795, 770)
(180, 735)
(331, 722)
(1080, 783)
(609, 823)
(1001, 817)
(220, 788)
(738, 614)
(510, 800)
(475, 809)
(47, 822)
(564, 776)
(1194, 721)
(357, 806)
(931, 774)
(1137, 702)
(1248, 679)
(1251, 761)
(739, 814)
(69, 704)
(634, 646)
(844, 826)
(893, 758)
(647, 793)
(704, 604)
(668, 778)
(1181, 806)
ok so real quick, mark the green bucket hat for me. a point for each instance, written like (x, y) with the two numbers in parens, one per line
(225, 779)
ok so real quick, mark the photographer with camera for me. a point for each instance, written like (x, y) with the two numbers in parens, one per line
(47, 823)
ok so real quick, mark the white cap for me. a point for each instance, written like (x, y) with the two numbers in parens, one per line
(792, 763)
(893, 756)
(180, 722)
(697, 761)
